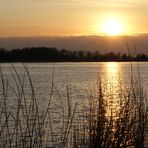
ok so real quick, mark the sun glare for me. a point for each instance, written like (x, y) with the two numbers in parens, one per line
(112, 27)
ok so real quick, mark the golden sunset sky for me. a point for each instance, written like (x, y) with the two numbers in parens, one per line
(70, 17)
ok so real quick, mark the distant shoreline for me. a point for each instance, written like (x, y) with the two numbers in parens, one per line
(44, 54)
(68, 62)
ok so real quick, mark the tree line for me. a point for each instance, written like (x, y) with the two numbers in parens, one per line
(44, 54)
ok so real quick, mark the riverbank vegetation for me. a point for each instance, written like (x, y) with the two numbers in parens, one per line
(61, 122)
(43, 54)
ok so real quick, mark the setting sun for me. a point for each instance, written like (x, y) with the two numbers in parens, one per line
(112, 27)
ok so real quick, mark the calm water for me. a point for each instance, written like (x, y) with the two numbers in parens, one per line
(76, 80)
(81, 78)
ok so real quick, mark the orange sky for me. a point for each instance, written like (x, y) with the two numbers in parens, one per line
(70, 17)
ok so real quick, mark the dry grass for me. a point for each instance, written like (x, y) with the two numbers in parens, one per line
(26, 125)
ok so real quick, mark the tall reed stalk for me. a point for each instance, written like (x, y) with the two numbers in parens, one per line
(24, 124)
(127, 127)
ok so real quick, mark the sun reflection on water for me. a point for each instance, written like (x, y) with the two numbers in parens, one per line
(113, 83)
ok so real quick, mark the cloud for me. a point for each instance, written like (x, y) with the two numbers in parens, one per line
(100, 43)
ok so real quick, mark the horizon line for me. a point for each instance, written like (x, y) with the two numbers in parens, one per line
(82, 35)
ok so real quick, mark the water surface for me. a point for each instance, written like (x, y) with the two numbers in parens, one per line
(76, 81)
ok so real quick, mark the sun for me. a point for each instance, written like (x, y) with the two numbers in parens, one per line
(112, 27)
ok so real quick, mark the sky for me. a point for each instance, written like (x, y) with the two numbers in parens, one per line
(22, 18)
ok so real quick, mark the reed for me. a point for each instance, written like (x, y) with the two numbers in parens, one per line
(26, 124)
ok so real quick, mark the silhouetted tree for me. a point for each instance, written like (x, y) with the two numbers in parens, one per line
(44, 54)
(141, 57)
